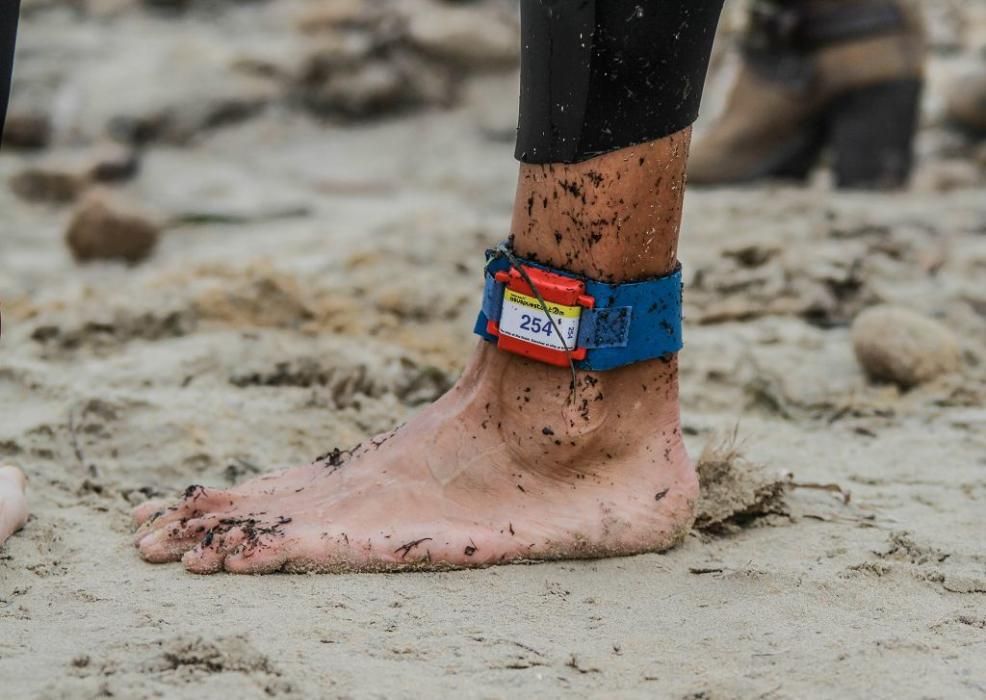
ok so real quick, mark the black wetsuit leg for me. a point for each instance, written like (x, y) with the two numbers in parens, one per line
(8, 31)
(600, 75)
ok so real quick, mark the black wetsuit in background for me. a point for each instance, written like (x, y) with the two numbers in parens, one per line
(596, 75)
(8, 31)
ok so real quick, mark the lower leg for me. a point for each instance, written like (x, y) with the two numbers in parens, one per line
(514, 462)
(614, 218)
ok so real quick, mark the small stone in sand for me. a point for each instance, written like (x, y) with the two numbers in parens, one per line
(26, 130)
(105, 229)
(469, 37)
(900, 346)
(64, 176)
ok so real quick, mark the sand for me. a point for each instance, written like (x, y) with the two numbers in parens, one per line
(316, 283)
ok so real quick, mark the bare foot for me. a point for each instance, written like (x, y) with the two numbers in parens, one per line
(513, 463)
(13, 501)
(507, 466)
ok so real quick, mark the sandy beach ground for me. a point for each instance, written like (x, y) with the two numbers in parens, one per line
(315, 282)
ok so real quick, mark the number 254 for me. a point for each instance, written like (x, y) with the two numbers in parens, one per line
(535, 325)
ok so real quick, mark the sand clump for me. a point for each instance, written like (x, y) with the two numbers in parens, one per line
(735, 491)
(105, 228)
(897, 345)
(191, 666)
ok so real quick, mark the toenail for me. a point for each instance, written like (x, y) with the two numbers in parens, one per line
(149, 540)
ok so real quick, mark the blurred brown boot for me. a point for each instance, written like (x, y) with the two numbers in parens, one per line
(967, 104)
(846, 74)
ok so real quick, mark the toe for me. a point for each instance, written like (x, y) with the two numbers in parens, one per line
(208, 556)
(256, 560)
(262, 553)
(160, 521)
(157, 548)
(196, 502)
(170, 543)
(296, 548)
(15, 475)
(203, 560)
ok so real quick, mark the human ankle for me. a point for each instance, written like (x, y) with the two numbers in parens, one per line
(613, 218)
(608, 417)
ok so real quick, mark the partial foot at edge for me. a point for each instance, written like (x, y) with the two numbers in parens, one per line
(13, 501)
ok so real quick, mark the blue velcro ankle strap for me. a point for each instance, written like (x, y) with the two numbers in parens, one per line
(627, 323)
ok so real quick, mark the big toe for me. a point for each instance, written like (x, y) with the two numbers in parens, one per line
(148, 509)
(196, 503)
(169, 544)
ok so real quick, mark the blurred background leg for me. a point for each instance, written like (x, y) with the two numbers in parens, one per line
(844, 75)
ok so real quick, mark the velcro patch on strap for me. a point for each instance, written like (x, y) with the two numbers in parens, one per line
(605, 328)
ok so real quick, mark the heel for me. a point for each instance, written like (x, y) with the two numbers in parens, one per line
(872, 135)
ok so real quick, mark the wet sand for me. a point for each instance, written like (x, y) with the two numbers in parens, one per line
(316, 283)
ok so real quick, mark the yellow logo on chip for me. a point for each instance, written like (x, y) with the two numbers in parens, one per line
(555, 309)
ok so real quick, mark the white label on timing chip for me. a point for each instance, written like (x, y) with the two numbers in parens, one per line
(523, 317)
